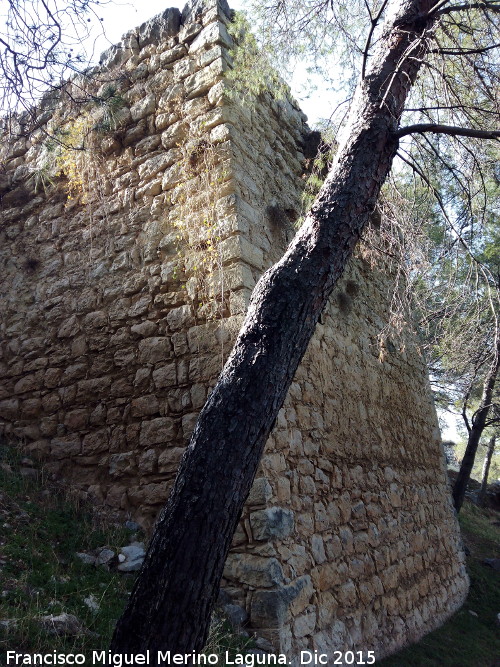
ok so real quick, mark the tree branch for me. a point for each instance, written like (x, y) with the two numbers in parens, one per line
(464, 412)
(464, 52)
(485, 6)
(452, 130)
(374, 22)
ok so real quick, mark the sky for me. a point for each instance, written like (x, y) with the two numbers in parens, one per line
(120, 16)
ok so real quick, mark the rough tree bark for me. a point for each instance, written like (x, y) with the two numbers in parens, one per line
(171, 603)
(479, 422)
(486, 471)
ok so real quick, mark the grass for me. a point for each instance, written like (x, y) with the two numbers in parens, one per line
(41, 530)
(467, 639)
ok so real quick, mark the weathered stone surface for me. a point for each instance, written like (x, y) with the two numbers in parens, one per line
(180, 318)
(200, 83)
(121, 464)
(253, 570)
(154, 494)
(143, 107)
(260, 492)
(69, 328)
(64, 447)
(235, 614)
(304, 625)
(143, 406)
(271, 609)
(104, 556)
(62, 624)
(165, 376)
(9, 409)
(157, 164)
(238, 248)
(154, 349)
(157, 431)
(159, 27)
(273, 523)
(144, 329)
(328, 575)
(171, 138)
(169, 459)
(173, 54)
(214, 33)
(95, 442)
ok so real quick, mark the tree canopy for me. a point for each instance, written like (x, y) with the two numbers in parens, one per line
(420, 80)
(41, 45)
(440, 204)
(412, 68)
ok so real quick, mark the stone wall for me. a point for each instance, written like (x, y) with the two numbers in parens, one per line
(361, 548)
(127, 268)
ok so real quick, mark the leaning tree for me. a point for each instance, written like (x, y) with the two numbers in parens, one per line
(449, 44)
(448, 246)
(452, 209)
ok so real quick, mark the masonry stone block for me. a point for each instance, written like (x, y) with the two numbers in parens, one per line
(109, 351)
(273, 523)
(157, 431)
(154, 349)
(253, 570)
(271, 609)
(214, 33)
(260, 492)
(159, 28)
(9, 409)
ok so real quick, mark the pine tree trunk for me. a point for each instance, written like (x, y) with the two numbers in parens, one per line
(170, 606)
(476, 431)
(486, 471)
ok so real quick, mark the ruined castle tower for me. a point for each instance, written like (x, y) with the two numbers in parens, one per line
(126, 270)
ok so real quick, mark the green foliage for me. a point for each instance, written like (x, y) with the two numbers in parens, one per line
(222, 640)
(322, 39)
(481, 531)
(109, 102)
(40, 574)
(450, 222)
(202, 172)
(253, 72)
(317, 168)
(311, 188)
(477, 470)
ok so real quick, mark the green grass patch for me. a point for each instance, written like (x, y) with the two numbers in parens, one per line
(467, 639)
(41, 531)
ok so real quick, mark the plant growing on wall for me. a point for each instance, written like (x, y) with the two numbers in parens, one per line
(174, 594)
(72, 148)
(198, 225)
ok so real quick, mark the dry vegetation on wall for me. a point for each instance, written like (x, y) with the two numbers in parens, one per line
(203, 172)
(81, 136)
(111, 344)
